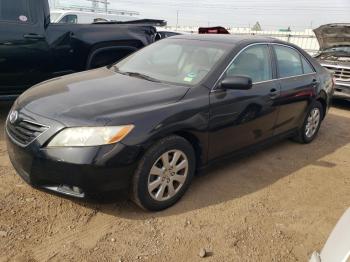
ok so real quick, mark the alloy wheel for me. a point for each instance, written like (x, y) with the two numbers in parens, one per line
(313, 122)
(168, 175)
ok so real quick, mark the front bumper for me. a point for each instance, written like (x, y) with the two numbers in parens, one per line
(341, 90)
(90, 169)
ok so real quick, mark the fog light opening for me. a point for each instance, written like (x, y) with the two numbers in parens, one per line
(73, 191)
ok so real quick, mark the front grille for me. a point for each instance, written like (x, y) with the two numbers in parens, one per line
(24, 132)
(340, 73)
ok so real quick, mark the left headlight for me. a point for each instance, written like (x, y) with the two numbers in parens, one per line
(90, 136)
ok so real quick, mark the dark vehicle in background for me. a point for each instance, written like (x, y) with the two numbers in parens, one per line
(161, 34)
(33, 50)
(334, 55)
(150, 121)
(213, 30)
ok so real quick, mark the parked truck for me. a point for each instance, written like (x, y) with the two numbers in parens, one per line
(32, 49)
(334, 54)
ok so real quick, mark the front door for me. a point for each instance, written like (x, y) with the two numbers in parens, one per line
(23, 48)
(239, 118)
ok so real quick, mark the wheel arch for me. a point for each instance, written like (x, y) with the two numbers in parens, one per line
(96, 52)
(322, 98)
(198, 142)
(195, 143)
(96, 49)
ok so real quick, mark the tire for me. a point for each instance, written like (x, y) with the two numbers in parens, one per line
(305, 136)
(157, 185)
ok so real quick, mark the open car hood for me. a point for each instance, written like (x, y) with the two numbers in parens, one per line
(333, 35)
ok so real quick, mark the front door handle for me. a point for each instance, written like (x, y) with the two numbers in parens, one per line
(315, 82)
(33, 36)
(6, 43)
(274, 93)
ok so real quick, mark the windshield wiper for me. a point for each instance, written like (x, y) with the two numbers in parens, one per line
(136, 74)
(142, 76)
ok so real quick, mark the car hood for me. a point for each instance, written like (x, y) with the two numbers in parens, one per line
(94, 97)
(333, 35)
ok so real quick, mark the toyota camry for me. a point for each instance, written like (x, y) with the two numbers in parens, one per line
(150, 121)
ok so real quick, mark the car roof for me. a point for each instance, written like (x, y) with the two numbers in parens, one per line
(231, 39)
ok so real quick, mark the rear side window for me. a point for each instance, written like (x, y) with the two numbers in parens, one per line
(15, 11)
(307, 67)
(288, 62)
(253, 62)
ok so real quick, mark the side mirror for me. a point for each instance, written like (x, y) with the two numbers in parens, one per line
(237, 83)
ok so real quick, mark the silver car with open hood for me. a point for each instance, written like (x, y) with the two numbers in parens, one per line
(334, 40)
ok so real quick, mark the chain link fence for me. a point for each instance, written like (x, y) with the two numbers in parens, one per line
(305, 39)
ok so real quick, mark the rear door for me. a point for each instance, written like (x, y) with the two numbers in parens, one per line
(298, 81)
(239, 118)
(23, 49)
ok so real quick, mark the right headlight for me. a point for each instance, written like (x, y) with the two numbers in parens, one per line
(90, 136)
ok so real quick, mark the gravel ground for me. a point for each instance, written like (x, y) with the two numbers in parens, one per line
(279, 204)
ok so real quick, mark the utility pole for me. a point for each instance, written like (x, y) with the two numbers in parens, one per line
(177, 19)
(55, 4)
(95, 3)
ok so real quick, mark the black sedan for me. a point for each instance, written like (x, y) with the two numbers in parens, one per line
(150, 121)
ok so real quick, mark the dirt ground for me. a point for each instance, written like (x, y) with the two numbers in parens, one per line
(279, 204)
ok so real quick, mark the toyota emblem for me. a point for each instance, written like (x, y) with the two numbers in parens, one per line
(13, 117)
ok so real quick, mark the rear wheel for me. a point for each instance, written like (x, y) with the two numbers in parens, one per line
(164, 174)
(311, 125)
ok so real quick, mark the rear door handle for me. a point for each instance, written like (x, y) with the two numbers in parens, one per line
(33, 36)
(274, 93)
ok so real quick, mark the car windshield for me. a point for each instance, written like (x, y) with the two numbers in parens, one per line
(177, 61)
(54, 17)
(342, 49)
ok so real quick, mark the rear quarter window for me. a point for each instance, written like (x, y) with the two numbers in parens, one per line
(306, 66)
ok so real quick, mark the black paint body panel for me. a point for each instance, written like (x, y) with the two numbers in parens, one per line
(58, 49)
(217, 122)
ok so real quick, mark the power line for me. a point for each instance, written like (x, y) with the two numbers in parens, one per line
(248, 7)
(226, 12)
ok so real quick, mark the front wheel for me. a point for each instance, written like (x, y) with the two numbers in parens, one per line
(164, 174)
(311, 124)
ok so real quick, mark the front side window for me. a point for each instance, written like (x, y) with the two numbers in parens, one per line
(175, 61)
(15, 11)
(253, 62)
(69, 19)
(288, 62)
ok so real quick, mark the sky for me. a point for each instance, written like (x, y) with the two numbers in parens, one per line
(271, 14)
